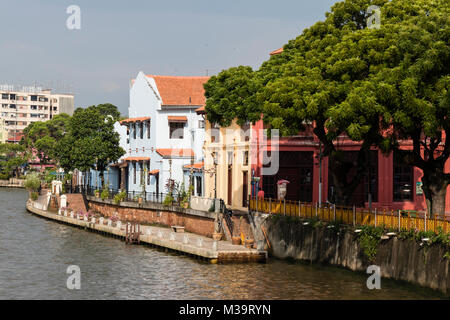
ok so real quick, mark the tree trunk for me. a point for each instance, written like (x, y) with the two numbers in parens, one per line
(435, 183)
(102, 179)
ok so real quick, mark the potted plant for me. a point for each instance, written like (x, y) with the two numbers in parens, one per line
(97, 193)
(105, 194)
(121, 196)
(236, 239)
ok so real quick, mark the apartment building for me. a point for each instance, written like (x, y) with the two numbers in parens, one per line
(22, 106)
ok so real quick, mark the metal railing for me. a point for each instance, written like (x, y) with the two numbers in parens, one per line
(226, 215)
(131, 196)
(392, 219)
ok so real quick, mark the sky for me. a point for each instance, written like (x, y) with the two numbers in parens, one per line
(117, 39)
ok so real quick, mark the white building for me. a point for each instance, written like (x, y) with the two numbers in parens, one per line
(165, 132)
(22, 106)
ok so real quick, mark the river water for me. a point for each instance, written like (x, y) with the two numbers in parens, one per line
(35, 254)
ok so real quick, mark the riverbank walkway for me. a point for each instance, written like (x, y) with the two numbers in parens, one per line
(183, 242)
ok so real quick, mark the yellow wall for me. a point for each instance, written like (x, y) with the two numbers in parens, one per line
(231, 140)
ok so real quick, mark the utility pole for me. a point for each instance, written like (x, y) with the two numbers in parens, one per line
(320, 173)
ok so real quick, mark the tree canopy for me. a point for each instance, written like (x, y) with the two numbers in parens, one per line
(91, 141)
(374, 85)
(12, 157)
(40, 138)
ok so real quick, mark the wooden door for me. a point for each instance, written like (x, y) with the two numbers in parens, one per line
(244, 188)
(230, 185)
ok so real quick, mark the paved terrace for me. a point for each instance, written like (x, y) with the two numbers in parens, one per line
(184, 242)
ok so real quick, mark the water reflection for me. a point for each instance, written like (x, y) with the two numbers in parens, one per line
(35, 253)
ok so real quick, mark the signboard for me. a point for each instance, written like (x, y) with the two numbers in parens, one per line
(419, 190)
(282, 189)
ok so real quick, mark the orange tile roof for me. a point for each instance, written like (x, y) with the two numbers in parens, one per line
(154, 172)
(197, 165)
(181, 91)
(141, 119)
(200, 110)
(278, 51)
(177, 118)
(185, 153)
(137, 159)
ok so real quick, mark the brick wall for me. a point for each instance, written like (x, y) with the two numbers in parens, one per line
(195, 224)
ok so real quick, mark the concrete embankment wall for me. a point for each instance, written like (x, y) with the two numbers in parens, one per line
(195, 221)
(398, 259)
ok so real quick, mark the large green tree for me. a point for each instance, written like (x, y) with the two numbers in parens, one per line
(12, 157)
(91, 141)
(40, 138)
(376, 85)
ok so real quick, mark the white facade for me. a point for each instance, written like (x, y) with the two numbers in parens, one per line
(157, 109)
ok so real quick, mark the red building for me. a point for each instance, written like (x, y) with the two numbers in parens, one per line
(394, 185)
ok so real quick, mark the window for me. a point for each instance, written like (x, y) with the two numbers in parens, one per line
(134, 130)
(245, 132)
(215, 135)
(201, 124)
(134, 173)
(148, 173)
(12, 96)
(33, 107)
(141, 130)
(5, 96)
(148, 132)
(245, 160)
(12, 106)
(176, 130)
(403, 180)
(142, 173)
(199, 185)
(230, 157)
(33, 98)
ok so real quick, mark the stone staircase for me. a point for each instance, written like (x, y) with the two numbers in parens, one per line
(76, 202)
(242, 224)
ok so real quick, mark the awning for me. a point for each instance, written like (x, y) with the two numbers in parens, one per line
(200, 110)
(154, 172)
(195, 166)
(120, 165)
(179, 153)
(132, 120)
(177, 119)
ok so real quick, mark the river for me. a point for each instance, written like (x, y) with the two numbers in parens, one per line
(35, 254)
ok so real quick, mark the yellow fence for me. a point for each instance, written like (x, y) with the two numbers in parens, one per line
(353, 216)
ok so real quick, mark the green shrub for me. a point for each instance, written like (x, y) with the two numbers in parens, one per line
(32, 182)
(369, 238)
(120, 197)
(168, 201)
(4, 176)
(34, 196)
(105, 194)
